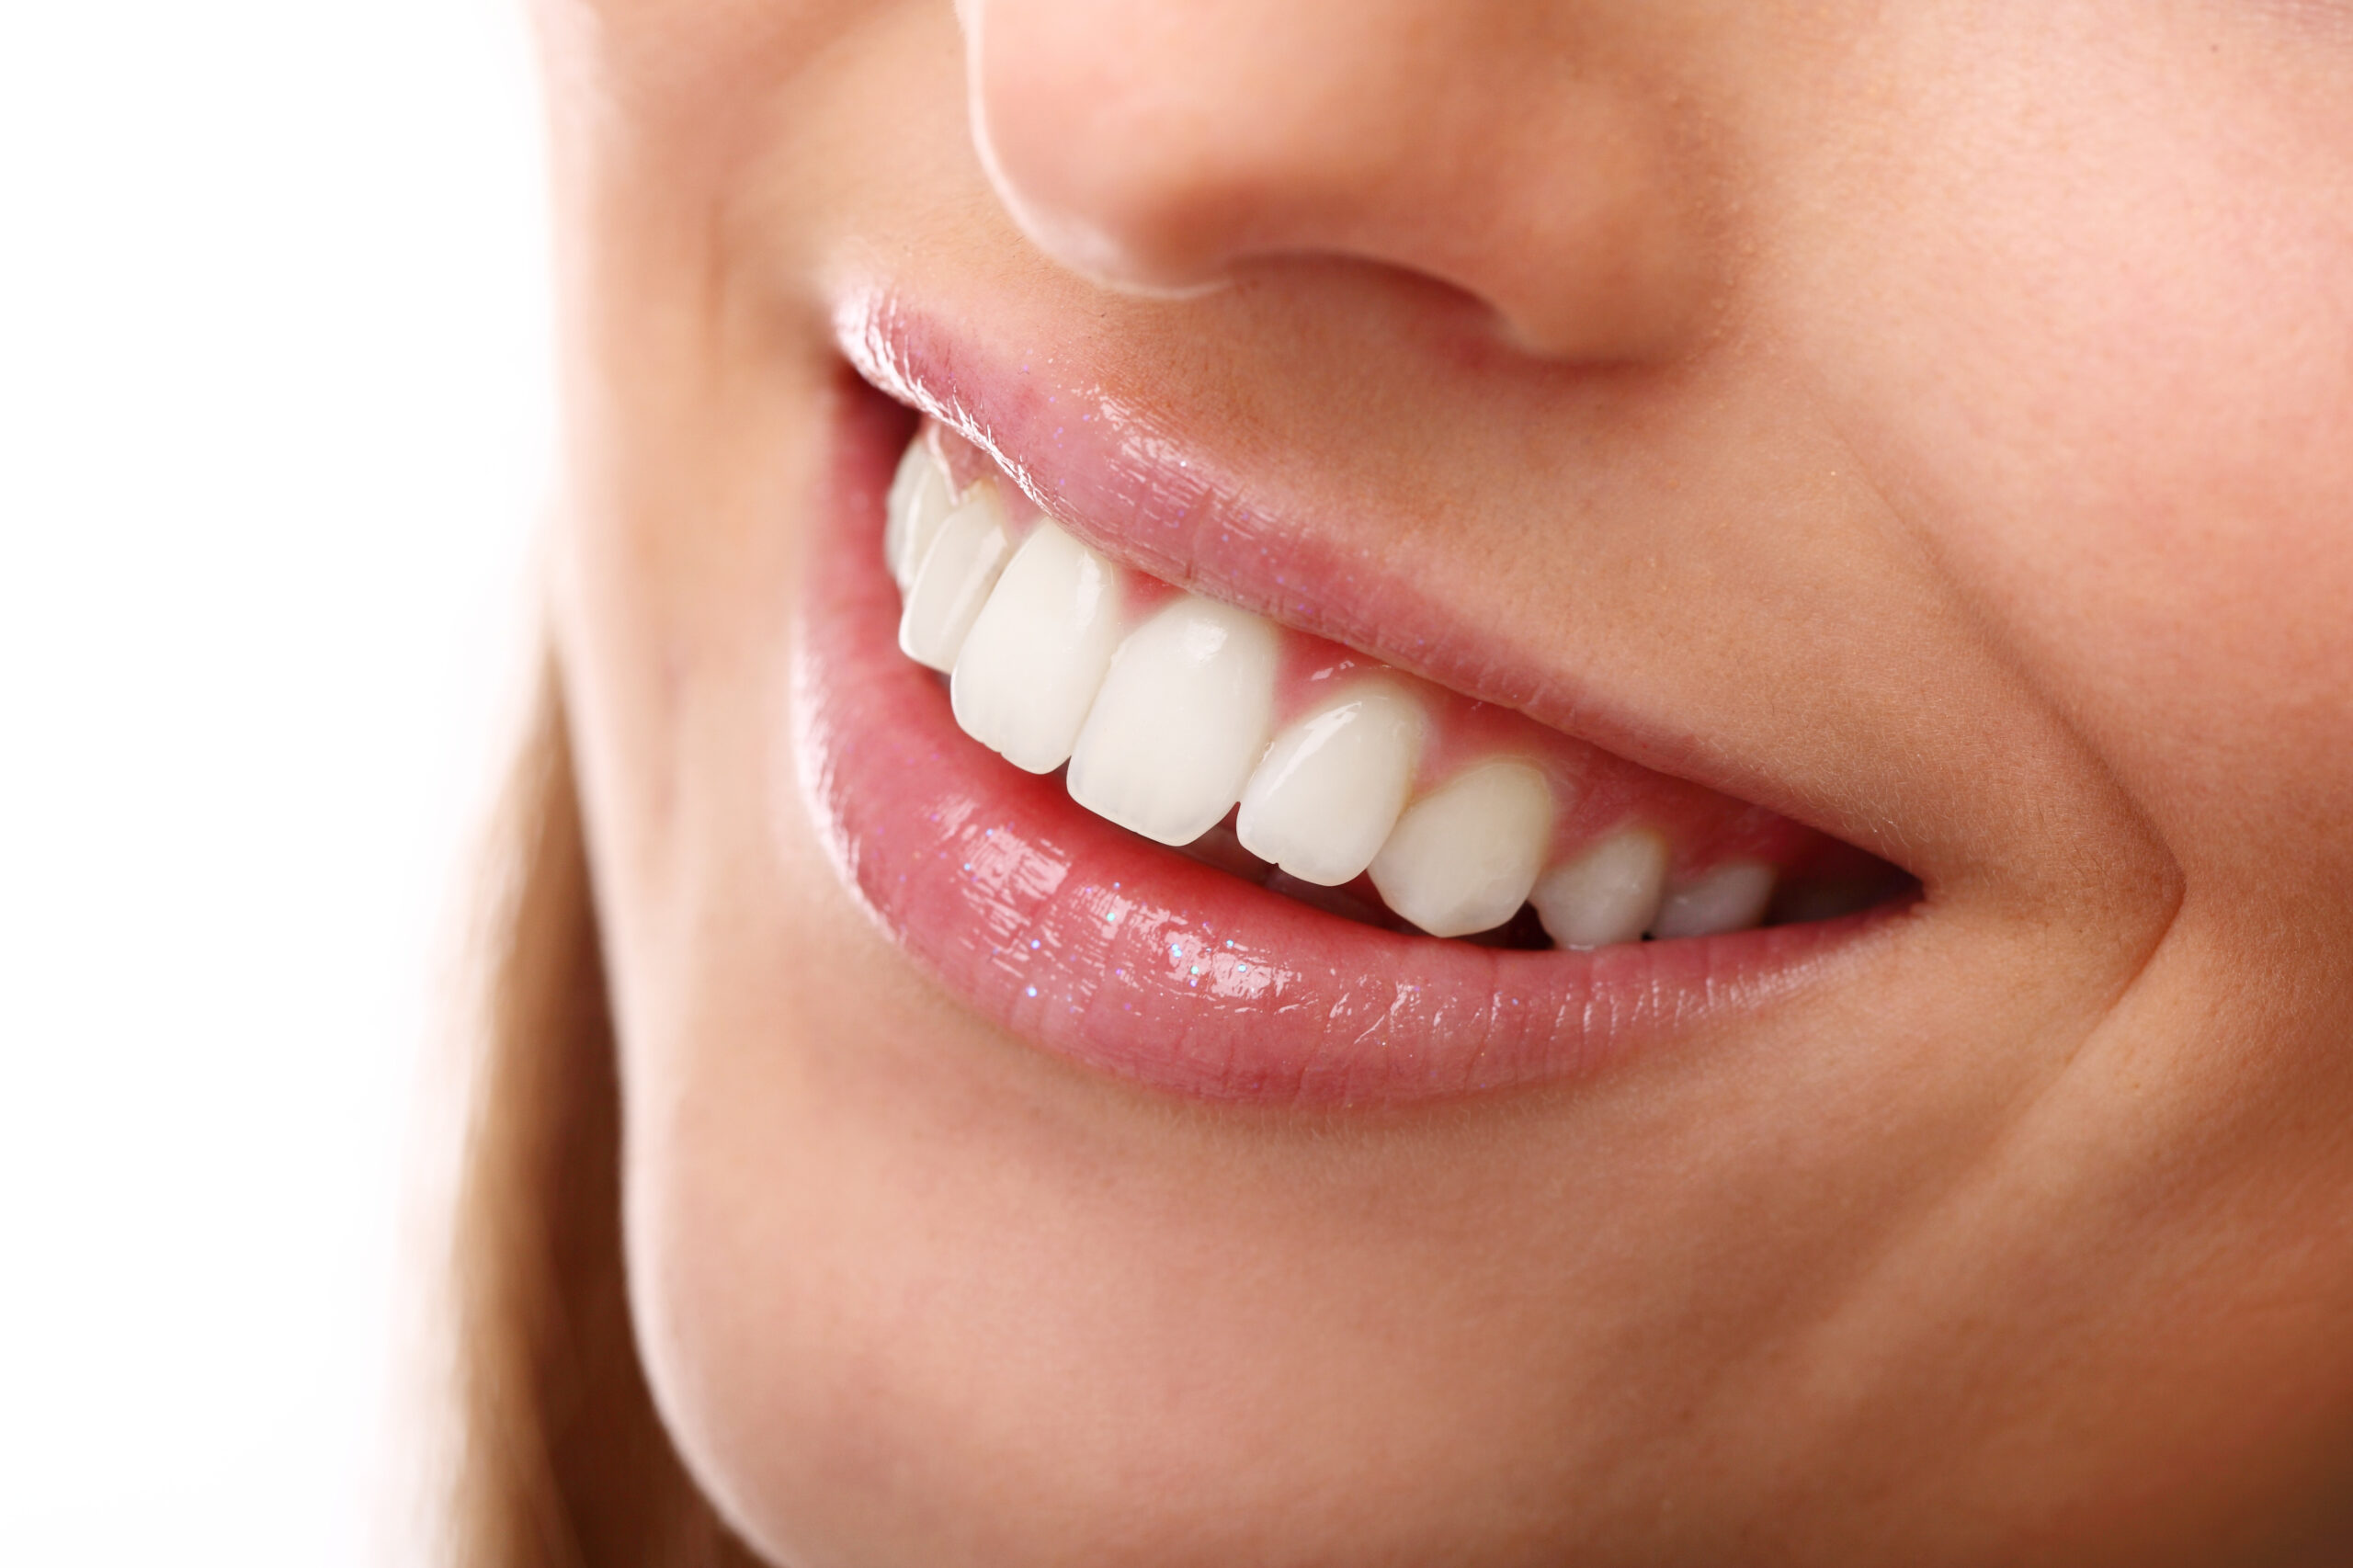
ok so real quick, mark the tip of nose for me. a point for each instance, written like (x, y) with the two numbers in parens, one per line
(1167, 182)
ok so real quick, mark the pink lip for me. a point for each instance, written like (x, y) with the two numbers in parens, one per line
(1133, 960)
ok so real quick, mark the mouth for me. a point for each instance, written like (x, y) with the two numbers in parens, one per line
(1183, 839)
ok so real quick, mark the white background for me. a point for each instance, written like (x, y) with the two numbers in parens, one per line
(273, 442)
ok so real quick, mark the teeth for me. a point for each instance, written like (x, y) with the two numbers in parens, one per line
(1181, 719)
(1610, 893)
(1331, 786)
(1036, 655)
(1730, 898)
(955, 576)
(921, 497)
(1463, 859)
(1165, 732)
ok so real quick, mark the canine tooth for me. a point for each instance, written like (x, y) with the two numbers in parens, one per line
(1730, 898)
(1037, 653)
(1610, 893)
(1330, 788)
(956, 575)
(1181, 718)
(1463, 857)
(921, 497)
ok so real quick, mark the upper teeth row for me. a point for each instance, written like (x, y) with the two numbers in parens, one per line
(1169, 724)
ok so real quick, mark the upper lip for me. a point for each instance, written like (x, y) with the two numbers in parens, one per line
(1135, 485)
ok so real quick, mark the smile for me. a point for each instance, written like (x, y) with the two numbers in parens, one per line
(1189, 844)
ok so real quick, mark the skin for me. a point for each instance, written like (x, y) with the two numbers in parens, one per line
(1939, 414)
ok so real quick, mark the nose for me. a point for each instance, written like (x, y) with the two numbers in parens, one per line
(1526, 152)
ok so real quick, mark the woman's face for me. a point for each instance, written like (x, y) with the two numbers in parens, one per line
(1930, 422)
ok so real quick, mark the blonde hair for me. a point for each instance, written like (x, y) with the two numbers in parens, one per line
(563, 1459)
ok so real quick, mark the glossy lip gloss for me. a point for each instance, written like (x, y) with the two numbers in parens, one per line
(1130, 959)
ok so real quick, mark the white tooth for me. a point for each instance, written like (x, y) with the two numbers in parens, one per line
(1332, 785)
(921, 497)
(1610, 893)
(1036, 654)
(1730, 898)
(1463, 857)
(954, 580)
(1182, 717)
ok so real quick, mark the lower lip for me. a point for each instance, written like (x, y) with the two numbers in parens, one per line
(1130, 960)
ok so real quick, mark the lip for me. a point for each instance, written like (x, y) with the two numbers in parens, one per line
(1130, 960)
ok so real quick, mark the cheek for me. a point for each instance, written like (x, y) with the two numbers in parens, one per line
(2105, 364)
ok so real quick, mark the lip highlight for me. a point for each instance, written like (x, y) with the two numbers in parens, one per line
(1133, 960)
